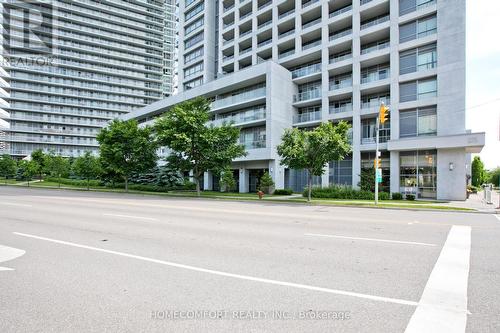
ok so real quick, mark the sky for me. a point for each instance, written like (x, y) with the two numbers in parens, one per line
(483, 75)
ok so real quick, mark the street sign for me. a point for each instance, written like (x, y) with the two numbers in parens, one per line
(378, 175)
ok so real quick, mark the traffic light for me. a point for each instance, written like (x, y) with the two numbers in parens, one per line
(383, 113)
(376, 163)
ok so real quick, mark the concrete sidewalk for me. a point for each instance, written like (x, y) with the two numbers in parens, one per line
(476, 201)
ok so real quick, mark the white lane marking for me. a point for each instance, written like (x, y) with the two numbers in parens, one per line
(9, 253)
(14, 204)
(443, 306)
(497, 216)
(131, 217)
(231, 275)
(370, 239)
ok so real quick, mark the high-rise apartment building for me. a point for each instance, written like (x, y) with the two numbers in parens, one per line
(271, 65)
(170, 48)
(69, 66)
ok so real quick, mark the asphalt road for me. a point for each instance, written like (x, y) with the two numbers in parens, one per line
(93, 262)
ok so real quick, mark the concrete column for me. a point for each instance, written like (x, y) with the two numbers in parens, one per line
(277, 172)
(394, 171)
(244, 175)
(325, 178)
(451, 180)
(356, 97)
(207, 181)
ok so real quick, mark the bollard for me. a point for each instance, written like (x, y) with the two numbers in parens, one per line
(260, 194)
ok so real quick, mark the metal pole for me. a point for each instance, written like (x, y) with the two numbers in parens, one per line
(376, 163)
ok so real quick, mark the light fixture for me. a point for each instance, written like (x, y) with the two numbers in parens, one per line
(451, 166)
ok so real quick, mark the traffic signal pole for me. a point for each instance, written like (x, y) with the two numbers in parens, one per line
(376, 161)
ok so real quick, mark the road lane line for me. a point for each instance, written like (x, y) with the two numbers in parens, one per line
(370, 239)
(443, 306)
(497, 216)
(131, 217)
(226, 274)
(14, 204)
(9, 253)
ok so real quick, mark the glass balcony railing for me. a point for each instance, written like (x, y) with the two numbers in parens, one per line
(240, 118)
(307, 95)
(285, 14)
(308, 70)
(374, 22)
(306, 117)
(286, 33)
(286, 54)
(340, 11)
(340, 108)
(340, 57)
(375, 47)
(311, 23)
(340, 34)
(239, 98)
(341, 83)
(311, 45)
(375, 103)
(309, 3)
(376, 75)
(254, 144)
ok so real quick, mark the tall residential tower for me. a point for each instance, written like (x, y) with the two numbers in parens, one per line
(69, 66)
(271, 65)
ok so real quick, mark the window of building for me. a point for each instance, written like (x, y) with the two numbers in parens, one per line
(193, 26)
(408, 6)
(417, 122)
(369, 131)
(340, 172)
(192, 56)
(418, 173)
(419, 59)
(193, 40)
(417, 90)
(367, 166)
(418, 29)
(193, 12)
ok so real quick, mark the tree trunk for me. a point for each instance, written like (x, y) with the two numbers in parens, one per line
(198, 191)
(88, 184)
(126, 184)
(309, 185)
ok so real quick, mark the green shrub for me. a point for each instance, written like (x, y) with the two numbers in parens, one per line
(344, 192)
(410, 197)
(75, 182)
(397, 196)
(286, 191)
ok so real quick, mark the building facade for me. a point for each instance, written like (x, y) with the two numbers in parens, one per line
(270, 65)
(100, 59)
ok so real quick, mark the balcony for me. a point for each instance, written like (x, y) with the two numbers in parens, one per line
(240, 118)
(340, 11)
(307, 117)
(340, 34)
(226, 9)
(286, 33)
(265, 24)
(253, 144)
(265, 42)
(305, 71)
(341, 83)
(312, 44)
(286, 54)
(309, 3)
(307, 95)
(239, 98)
(311, 23)
(347, 107)
(374, 22)
(340, 57)
(265, 4)
(404, 11)
(285, 14)
(375, 103)
(377, 74)
(375, 46)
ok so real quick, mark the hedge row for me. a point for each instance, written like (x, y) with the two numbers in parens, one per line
(135, 187)
(344, 192)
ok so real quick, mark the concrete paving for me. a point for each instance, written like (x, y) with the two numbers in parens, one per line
(94, 262)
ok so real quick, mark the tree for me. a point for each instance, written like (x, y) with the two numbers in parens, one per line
(494, 177)
(266, 183)
(56, 166)
(28, 169)
(227, 181)
(39, 162)
(194, 145)
(8, 167)
(127, 148)
(478, 172)
(87, 167)
(312, 150)
(367, 180)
